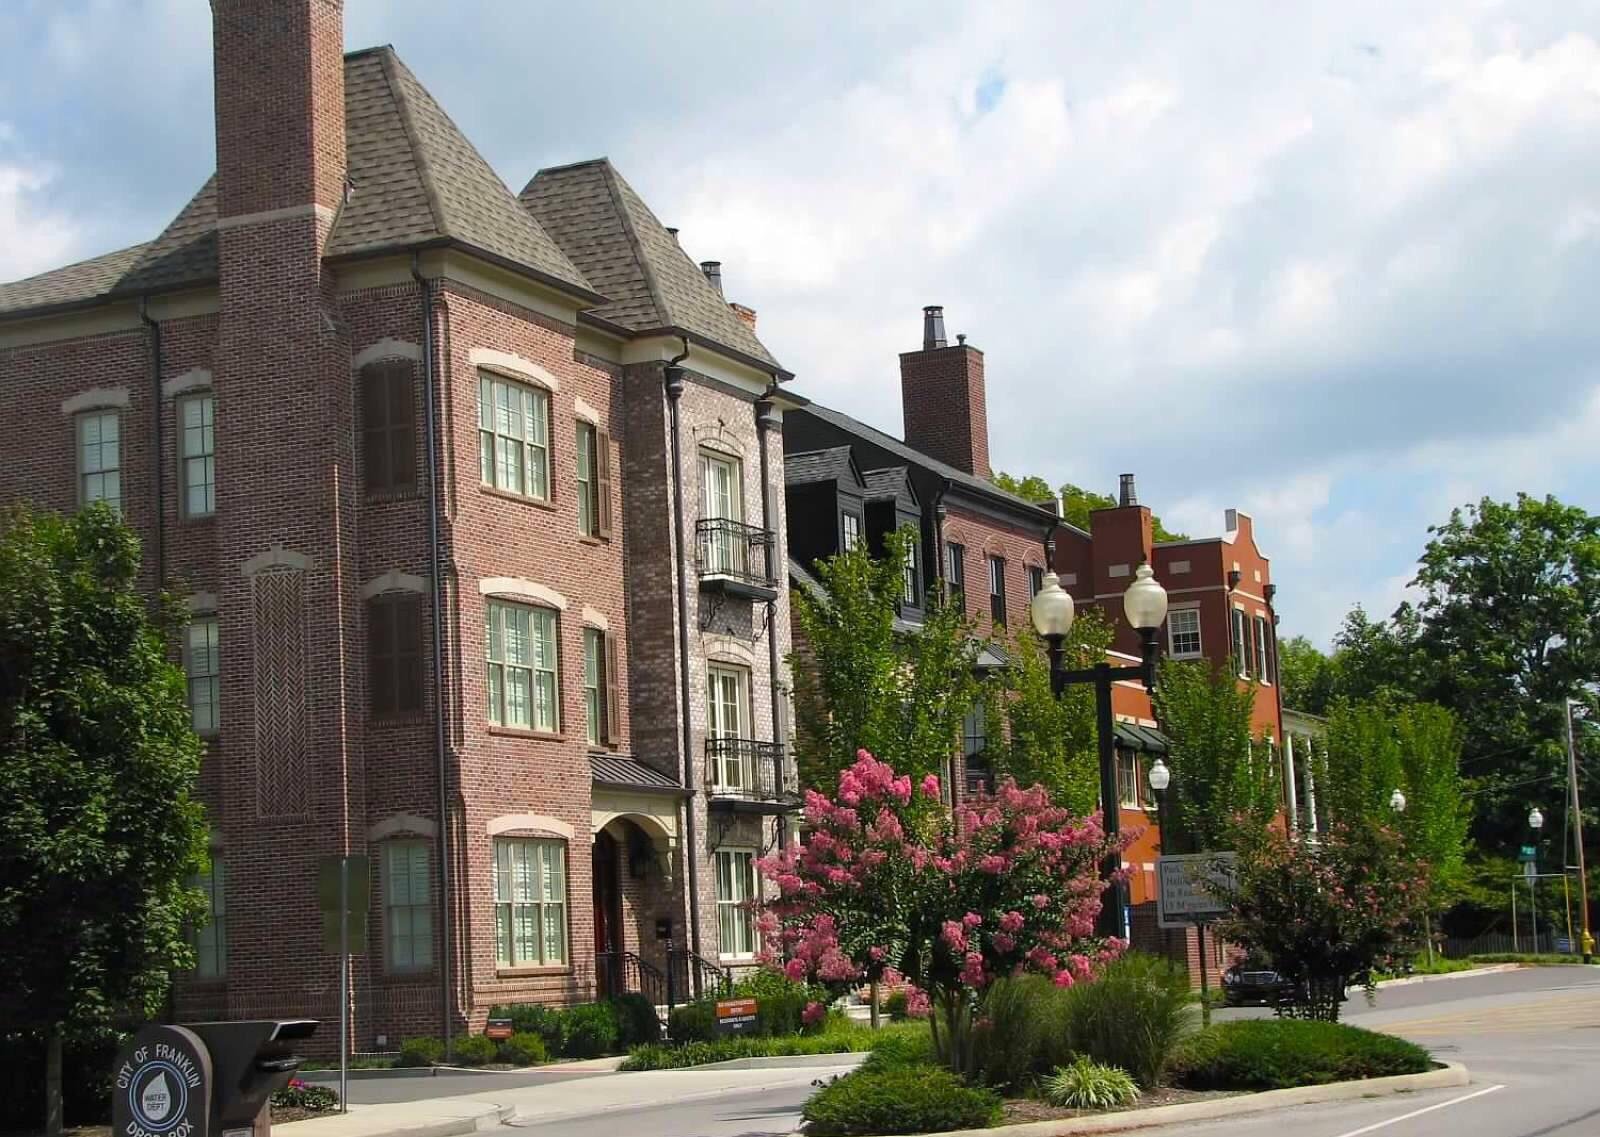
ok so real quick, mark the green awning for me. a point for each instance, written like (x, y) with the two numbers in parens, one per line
(1132, 736)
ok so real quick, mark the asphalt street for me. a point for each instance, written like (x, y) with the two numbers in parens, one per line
(408, 1087)
(767, 1113)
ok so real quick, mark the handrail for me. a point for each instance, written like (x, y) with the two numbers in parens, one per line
(748, 769)
(725, 547)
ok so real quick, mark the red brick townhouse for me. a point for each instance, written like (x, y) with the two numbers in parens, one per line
(477, 504)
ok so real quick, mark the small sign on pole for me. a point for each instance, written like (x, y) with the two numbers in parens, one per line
(1189, 888)
(1528, 854)
(736, 1016)
(498, 1029)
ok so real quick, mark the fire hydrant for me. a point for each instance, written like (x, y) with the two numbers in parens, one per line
(1588, 948)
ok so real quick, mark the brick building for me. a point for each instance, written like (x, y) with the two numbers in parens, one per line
(476, 502)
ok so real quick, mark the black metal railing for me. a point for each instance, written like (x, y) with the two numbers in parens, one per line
(691, 976)
(746, 769)
(732, 549)
(623, 972)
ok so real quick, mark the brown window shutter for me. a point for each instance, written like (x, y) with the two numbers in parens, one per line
(408, 653)
(374, 427)
(602, 480)
(402, 428)
(380, 657)
(613, 723)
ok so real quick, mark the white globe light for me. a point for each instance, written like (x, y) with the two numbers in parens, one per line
(1051, 608)
(1145, 602)
(1397, 801)
(1535, 818)
(1160, 776)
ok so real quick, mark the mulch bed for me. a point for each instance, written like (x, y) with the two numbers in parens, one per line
(288, 1114)
(1019, 1110)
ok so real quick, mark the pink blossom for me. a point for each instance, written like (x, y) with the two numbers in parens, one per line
(813, 1014)
(1063, 979)
(930, 787)
(795, 969)
(972, 919)
(954, 936)
(1041, 901)
(1003, 943)
(1011, 922)
(992, 863)
(877, 954)
(972, 972)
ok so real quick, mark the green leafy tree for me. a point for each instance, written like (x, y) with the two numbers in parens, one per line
(862, 684)
(1035, 738)
(1376, 659)
(1360, 763)
(99, 831)
(1222, 777)
(1306, 675)
(1438, 810)
(1077, 503)
(1030, 488)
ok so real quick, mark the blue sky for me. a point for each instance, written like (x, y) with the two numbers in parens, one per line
(1335, 265)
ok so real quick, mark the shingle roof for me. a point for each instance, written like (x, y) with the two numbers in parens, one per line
(614, 770)
(606, 228)
(889, 482)
(417, 180)
(830, 465)
(916, 457)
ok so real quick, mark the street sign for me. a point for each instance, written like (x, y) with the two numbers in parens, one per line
(1530, 870)
(1187, 888)
(357, 893)
(1528, 854)
(498, 1029)
(736, 1016)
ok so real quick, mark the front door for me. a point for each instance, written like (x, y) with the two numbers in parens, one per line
(607, 916)
(726, 716)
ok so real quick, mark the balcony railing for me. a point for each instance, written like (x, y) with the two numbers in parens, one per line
(744, 770)
(733, 551)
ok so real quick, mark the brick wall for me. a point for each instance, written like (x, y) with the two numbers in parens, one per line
(944, 406)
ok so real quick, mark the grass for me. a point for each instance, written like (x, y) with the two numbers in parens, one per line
(852, 1039)
(1526, 957)
(1421, 966)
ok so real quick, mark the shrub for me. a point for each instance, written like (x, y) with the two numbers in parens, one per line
(1271, 1054)
(1010, 1045)
(693, 1022)
(589, 1030)
(476, 1050)
(1088, 1085)
(900, 1046)
(907, 1099)
(780, 1001)
(524, 1049)
(637, 1021)
(535, 1018)
(420, 1052)
(1133, 1016)
(307, 1096)
(897, 1005)
(891, 1046)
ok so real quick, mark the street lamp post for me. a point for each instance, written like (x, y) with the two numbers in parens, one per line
(1536, 823)
(1145, 605)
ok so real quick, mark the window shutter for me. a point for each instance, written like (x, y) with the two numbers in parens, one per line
(402, 429)
(408, 654)
(380, 657)
(602, 478)
(613, 723)
(374, 423)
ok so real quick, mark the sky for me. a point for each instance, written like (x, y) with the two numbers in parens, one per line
(1335, 265)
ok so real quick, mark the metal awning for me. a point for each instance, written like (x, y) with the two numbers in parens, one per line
(1132, 736)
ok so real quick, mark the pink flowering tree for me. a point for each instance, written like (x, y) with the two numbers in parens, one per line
(889, 884)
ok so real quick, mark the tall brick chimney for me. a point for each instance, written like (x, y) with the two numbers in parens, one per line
(942, 398)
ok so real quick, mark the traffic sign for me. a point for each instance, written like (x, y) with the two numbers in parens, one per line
(1528, 854)
(357, 891)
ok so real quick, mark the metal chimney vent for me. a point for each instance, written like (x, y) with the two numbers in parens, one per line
(1128, 496)
(713, 271)
(933, 327)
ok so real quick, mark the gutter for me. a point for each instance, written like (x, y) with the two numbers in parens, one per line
(672, 380)
(160, 454)
(767, 421)
(436, 603)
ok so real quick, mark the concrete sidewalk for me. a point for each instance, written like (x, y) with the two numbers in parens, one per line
(451, 1116)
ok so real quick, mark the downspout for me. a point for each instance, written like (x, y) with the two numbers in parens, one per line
(161, 457)
(672, 377)
(436, 602)
(766, 421)
(941, 577)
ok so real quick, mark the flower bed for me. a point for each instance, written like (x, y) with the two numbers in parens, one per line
(900, 1037)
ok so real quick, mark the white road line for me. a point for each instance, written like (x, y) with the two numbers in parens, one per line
(1419, 1112)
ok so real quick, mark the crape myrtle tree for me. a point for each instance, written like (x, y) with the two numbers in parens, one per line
(889, 884)
(99, 830)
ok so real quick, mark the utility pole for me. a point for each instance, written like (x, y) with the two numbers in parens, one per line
(1587, 947)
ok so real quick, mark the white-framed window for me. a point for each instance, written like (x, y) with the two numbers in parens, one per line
(202, 660)
(530, 902)
(851, 528)
(955, 567)
(514, 437)
(588, 482)
(1183, 633)
(197, 448)
(1261, 650)
(1035, 580)
(522, 657)
(736, 888)
(911, 575)
(100, 458)
(721, 481)
(1128, 791)
(593, 647)
(727, 724)
(997, 589)
(408, 914)
(1241, 643)
(211, 937)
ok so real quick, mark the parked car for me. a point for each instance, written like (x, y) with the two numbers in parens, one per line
(1252, 983)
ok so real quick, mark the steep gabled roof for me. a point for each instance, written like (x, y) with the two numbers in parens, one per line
(834, 464)
(890, 482)
(416, 181)
(608, 231)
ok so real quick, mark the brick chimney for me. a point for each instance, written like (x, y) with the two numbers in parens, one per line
(1122, 539)
(279, 72)
(942, 398)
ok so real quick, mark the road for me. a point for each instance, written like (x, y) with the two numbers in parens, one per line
(767, 1113)
(400, 1088)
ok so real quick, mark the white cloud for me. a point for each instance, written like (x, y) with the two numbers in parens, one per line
(33, 236)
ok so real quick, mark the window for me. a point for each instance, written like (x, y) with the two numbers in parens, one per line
(851, 530)
(736, 888)
(530, 903)
(197, 448)
(973, 739)
(594, 481)
(522, 666)
(202, 661)
(1035, 580)
(955, 568)
(1241, 647)
(721, 500)
(997, 589)
(1183, 633)
(728, 718)
(514, 437)
(1261, 650)
(1128, 791)
(592, 666)
(394, 654)
(388, 427)
(211, 938)
(100, 459)
(911, 590)
(409, 923)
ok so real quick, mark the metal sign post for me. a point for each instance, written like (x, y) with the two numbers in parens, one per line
(343, 892)
(1189, 891)
(1205, 980)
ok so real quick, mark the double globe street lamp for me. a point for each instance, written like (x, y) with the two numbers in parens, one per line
(1145, 605)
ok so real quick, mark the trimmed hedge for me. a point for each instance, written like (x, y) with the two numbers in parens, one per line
(904, 1099)
(476, 1050)
(637, 1021)
(420, 1052)
(525, 1049)
(587, 1030)
(902, 1044)
(1275, 1054)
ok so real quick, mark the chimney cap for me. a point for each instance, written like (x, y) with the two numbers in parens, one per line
(1127, 494)
(933, 327)
(713, 271)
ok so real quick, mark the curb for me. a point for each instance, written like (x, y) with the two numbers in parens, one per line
(628, 1106)
(1451, 1074)
(326, 1077)
(1487, 969)
(492, 1117)
(784, 1062)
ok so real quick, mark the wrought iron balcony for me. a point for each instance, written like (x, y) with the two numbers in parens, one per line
(743, 774)
(735, 557)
